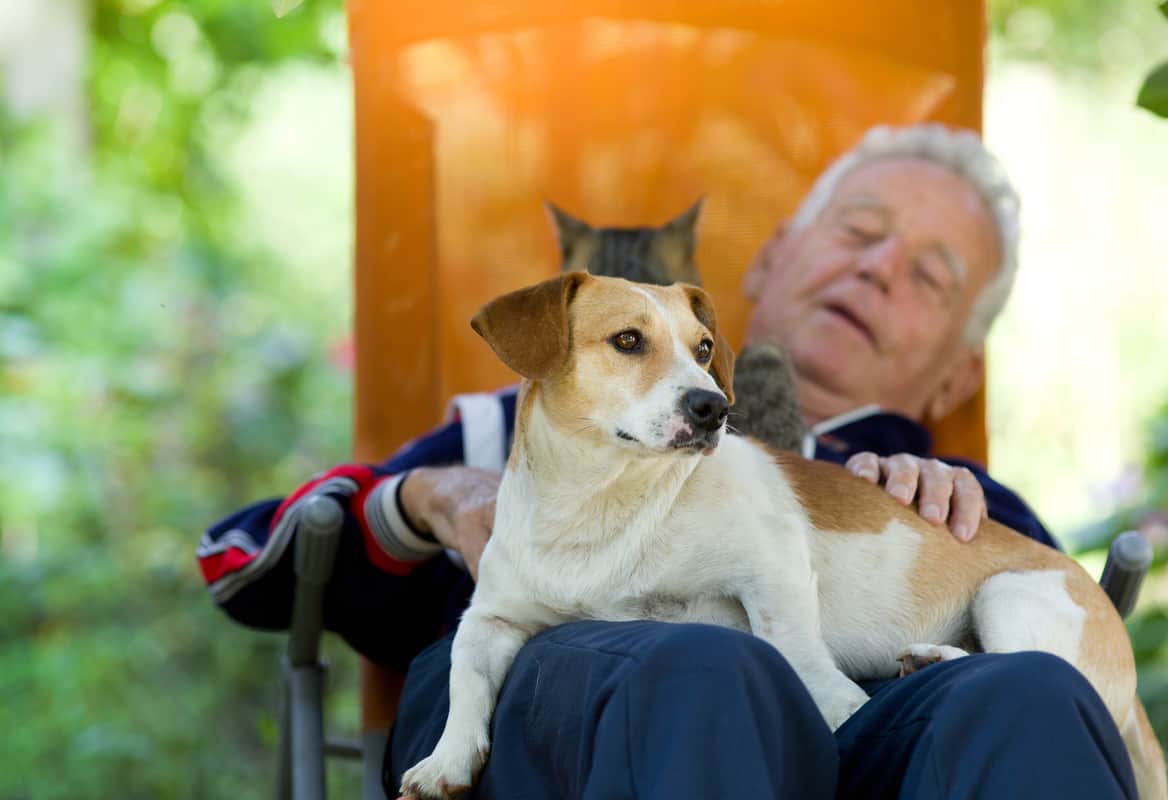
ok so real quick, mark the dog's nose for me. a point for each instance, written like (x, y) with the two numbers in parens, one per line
(705, 409)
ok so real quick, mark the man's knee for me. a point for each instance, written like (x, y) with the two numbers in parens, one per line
(719, 660)
(1028, 684)
(712, 648)
(741, 704)
(1021, 700)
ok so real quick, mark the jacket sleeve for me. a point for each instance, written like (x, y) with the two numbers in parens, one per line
(392, 589)
(247, 545)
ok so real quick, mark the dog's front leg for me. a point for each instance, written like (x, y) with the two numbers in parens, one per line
(788, 618)
(484, 648)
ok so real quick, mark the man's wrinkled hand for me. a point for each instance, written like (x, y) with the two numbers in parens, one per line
(455, 505)
(943, 493)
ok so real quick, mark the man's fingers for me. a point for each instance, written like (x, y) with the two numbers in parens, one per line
(865, 465)
(969, 506)
(903, 474)
(942, 492)
(936, 487)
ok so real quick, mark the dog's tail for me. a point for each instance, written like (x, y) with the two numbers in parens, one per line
(1146, 755)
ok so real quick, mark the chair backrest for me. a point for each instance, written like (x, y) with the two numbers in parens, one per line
(622, 112)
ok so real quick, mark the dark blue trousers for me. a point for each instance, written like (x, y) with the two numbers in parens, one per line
(600, 711)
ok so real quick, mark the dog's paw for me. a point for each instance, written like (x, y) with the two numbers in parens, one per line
(919, 656)
(443, 775)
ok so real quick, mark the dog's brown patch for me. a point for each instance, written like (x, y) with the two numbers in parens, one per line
(836, 500)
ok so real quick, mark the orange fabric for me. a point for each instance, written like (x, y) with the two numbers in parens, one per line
(622, 112)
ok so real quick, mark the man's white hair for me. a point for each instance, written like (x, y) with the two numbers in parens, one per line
(961, 151)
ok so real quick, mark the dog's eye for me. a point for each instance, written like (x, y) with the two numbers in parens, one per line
(704, 350)
(629, 341)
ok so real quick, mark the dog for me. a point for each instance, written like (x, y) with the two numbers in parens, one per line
(621, 467)
(767, 408)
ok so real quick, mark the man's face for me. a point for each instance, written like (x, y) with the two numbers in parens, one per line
(870, 300)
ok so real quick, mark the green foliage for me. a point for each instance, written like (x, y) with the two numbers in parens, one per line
(1103, 36)
(1154, 93)
(156, 371)
(1148, 626)
(1110, 37)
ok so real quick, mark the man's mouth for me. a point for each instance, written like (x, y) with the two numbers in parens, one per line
(845, 314)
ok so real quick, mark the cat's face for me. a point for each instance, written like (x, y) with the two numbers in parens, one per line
(660, 256)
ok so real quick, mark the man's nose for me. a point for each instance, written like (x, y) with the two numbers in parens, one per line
(880, 263)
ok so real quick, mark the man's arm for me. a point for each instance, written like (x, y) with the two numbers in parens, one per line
(386, 561)
(246, 545)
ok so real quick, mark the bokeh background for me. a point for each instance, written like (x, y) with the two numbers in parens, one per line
(175, 253)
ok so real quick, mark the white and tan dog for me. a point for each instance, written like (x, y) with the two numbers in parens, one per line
(622, 500)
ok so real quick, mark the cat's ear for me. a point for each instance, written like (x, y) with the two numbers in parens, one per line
(570, 232)
(684, 226)
(675, 243)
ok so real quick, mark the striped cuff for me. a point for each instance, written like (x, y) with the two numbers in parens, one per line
(390, 528)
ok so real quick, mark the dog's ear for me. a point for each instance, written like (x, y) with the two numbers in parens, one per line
(722, 364)
(528, 328)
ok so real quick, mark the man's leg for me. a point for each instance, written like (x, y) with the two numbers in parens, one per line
(634, 709)
(1018, 725)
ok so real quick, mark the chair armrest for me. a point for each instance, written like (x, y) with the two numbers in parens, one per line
(1127, 563)
(319, 534)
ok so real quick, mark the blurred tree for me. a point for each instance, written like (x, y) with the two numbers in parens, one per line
(1154, 93)
(1100, 36)
(155, 372)
(157, 368)
(44, 50)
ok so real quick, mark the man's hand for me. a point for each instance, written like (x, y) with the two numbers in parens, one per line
(456, 505)
(944, 492)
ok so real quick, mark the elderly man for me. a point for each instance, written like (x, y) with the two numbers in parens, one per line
(881, 289)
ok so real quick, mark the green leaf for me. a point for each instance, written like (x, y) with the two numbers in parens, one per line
(1154, 93)
(1164, 8)
(285, 7)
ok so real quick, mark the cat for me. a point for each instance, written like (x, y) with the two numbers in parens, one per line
(766, 406)
(661, 255)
